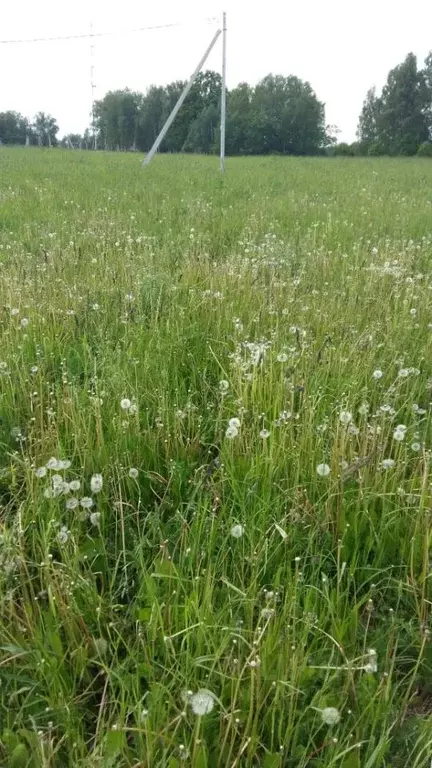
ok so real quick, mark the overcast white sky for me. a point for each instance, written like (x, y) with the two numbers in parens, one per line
(342, 47)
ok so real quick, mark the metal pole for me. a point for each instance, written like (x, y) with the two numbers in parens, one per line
(180, 101)
(223, 97)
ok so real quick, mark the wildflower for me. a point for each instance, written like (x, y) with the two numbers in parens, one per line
(74, 485)
(237, 531)
(330, 715)
(53, 463)
(95, 518)
(133, 473)
(24, 322)
(63, 535)
(415, 447)
(14, 311)
(265, 433)
(125, 404)
(282, 357)
(64, 464)
(363, 409)
(133, 408)
(377, 374)
(235, 422)
(223, 386)
(231, 432)
(413, 312)
(399, 435)
(56, 480)
(72, 503)
(371, 665)
(387, 463)
(86, 502)
(202, 702)
(34, 369)
(41, 472)
(345, 417)
(323, 470)
(403, 373)
(96, 483)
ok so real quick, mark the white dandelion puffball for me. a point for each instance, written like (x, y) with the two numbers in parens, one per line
(330, 715)
(95, 518)
(24, 322)
(323, 470)
(74, 485)
(345, 417)
(223, 386)
(387, 463)
(72, 503)
(86, 502)
(415, 447)
(64, 464)
(237, 531)
(377, 374)
(96, 483)
(40, 471)
(231, 432)
(265, 433)
(125, 404)
(63, 535)
(133, 473)
(53, 463)
(403, 373)
(282, 357)
(201, 702)
(234, 422)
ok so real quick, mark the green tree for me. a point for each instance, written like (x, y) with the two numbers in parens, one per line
(14, 128)
(368, 128)
(45, 127)
(285, 117)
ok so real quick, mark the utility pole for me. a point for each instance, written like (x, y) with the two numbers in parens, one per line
(223, 97)
(180, 101)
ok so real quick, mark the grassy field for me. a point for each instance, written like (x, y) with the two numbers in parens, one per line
(215, 462)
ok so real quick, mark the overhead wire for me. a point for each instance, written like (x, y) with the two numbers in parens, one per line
(89, 35)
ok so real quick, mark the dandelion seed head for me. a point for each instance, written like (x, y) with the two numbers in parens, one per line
(201, 702)
(231, 432)
(223, 386)
(345, 417)
(74, 485)
(133, 473)
(377, 374)
(323, 470)
(53, 463)
(387, 463)
(330, 715)
(63, 535)
(403, 373)
(41, 472)
(125, 404)
(282, 357)
(96, 483)
(264, 434)
(95, 518)
(237, 531)
(86, 502)
(234, 422)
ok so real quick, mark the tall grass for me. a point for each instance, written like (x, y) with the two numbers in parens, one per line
(140, 312)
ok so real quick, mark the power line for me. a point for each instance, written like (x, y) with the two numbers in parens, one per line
(95, 34)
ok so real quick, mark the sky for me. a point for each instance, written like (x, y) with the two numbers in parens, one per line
(341, 47)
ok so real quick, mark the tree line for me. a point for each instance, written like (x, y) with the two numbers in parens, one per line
(279, 115)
